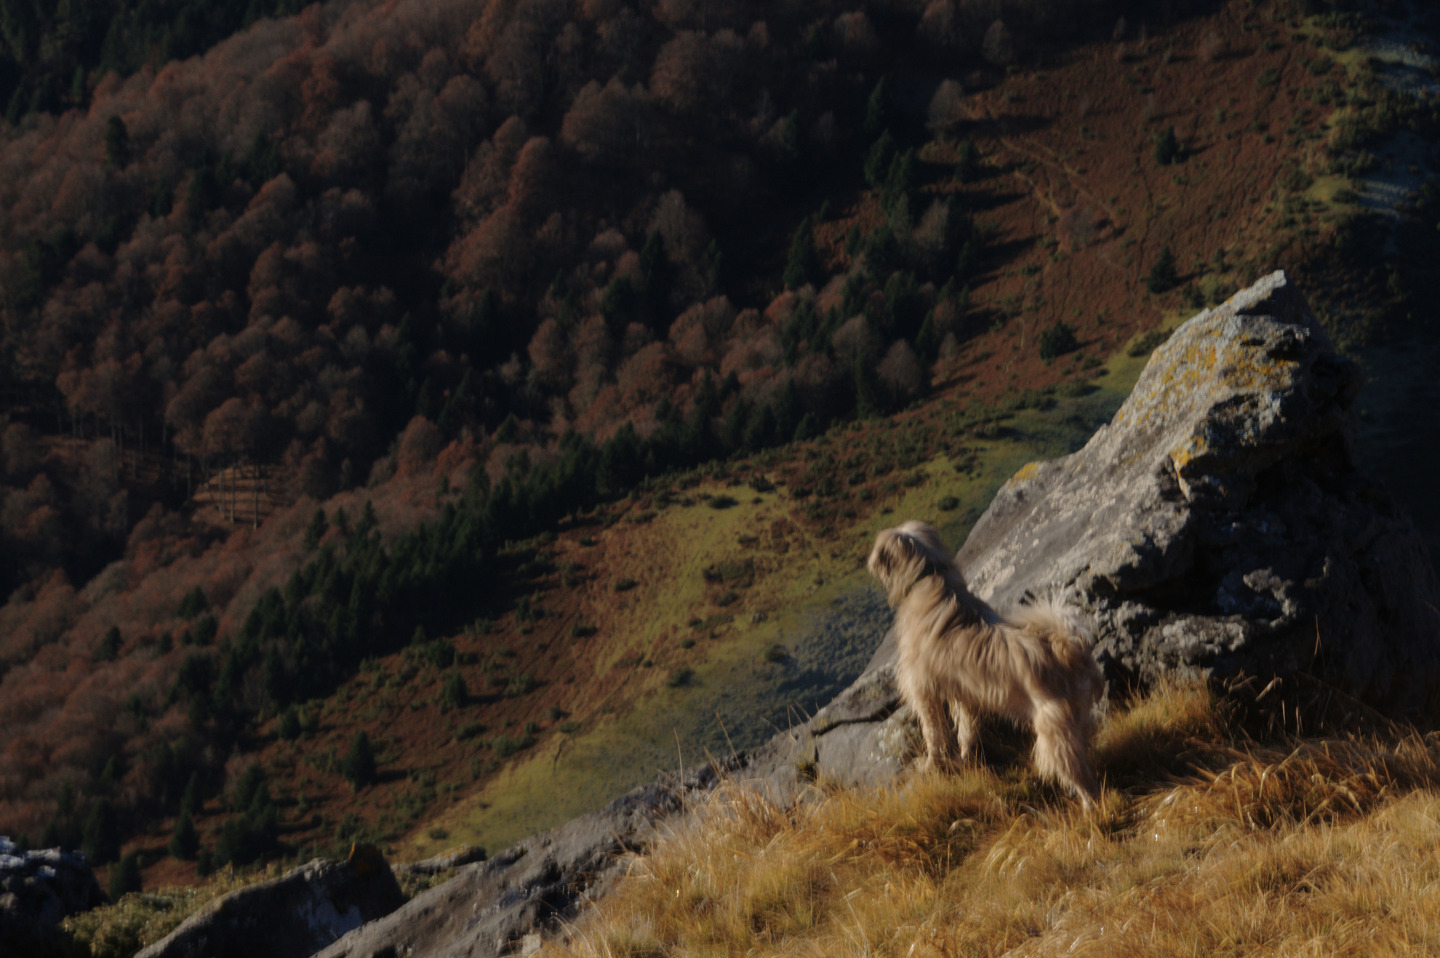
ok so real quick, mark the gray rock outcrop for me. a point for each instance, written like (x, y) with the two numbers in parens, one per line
(38, 889)
(491, 907)
(291, 916)
(1219, 524)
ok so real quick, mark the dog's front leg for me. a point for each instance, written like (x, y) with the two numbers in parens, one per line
(940, 744)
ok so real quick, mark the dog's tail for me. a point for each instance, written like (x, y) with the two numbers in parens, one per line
(1069, 636)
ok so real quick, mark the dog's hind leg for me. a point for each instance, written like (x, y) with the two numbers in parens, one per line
(967, 729)
(1060, 753)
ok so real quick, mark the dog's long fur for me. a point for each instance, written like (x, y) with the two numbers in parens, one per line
(1033, 667)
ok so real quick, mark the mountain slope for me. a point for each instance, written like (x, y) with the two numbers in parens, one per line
(242, 281)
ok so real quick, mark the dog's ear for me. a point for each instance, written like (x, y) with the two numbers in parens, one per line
(878, 563)
(883, 558)
(893, 550)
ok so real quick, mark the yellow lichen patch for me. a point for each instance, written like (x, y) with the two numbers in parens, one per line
(1025, 474)
(1188, 451)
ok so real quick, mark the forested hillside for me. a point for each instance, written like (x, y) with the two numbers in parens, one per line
(53, 54)
(559, 246)
(302, 334)
(281, 252)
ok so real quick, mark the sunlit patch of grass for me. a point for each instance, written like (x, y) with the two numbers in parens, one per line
(140, 919)
(1240, 846)
(1165, 729)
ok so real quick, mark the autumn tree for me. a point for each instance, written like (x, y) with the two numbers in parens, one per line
(939, 26)
(608, 125)
(947, 107)
(998, 45)
(682, 77)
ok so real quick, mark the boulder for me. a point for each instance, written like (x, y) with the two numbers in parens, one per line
(37, 890)
(291, 916)
(1221, 525)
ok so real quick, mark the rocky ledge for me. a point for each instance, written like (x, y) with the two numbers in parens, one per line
(37, 889)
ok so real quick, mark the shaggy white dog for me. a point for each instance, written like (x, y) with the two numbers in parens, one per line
(956, 653)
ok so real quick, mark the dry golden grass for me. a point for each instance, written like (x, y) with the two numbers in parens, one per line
(1207, 842)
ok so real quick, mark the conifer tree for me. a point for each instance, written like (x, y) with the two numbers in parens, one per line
(316, 530)
(879, 158)
(877, 108)
(454, 694)
(184, 840)
(100, 836)
(192, 604)
(117, 143)
(358, 766)
(1167, 148)
(191, 801)
(868, 401)
(1057, 340)
(656, 278)
(899, 179)
(927, 341)
(699, 432)
(761, 430)
(109, 648)
(788, 411)
(967, 163)
(1164, 274)
(804, 263)
(125, 877)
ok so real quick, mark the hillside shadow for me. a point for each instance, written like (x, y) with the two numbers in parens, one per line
(999, 254)
(1011, 124)
(991, 200)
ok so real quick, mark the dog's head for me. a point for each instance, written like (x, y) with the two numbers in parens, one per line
(902, 555)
